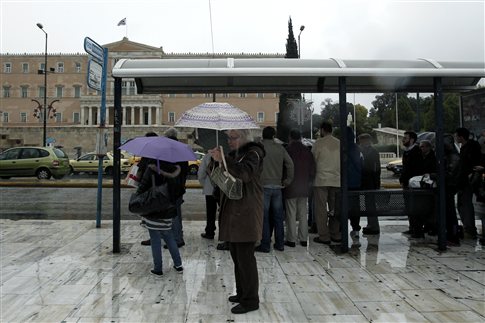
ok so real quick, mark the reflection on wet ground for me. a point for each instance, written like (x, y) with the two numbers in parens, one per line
(55, 271)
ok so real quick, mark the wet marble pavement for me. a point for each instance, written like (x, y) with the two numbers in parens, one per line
(65, 271)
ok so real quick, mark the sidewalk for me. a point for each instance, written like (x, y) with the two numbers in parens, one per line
(53, 271)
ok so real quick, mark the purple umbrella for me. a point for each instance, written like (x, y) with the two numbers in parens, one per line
(160, 148)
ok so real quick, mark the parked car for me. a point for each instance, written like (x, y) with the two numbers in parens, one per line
(395, 166)
(194, 164)
(42, 162)
(89, 163)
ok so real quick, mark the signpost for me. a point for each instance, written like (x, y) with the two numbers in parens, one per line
(96, 79)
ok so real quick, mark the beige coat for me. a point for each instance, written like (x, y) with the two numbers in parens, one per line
(326, 152)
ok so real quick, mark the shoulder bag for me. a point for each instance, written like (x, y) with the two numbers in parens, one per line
(154, 200)
(230, 185)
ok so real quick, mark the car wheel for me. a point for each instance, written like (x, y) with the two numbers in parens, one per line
(43, 173)
(193, 169)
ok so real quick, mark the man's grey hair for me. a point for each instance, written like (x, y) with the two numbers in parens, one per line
(171, 133)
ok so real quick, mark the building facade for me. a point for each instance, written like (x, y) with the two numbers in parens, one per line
(75, 108)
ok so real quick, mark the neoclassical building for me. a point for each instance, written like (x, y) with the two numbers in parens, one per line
(77, 107)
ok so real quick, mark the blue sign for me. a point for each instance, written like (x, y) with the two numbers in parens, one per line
(94, 49)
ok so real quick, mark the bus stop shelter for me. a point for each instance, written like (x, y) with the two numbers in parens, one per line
(275, 75)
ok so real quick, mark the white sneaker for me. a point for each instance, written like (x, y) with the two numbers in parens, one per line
(354, 234)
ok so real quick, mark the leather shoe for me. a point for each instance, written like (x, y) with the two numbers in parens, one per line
(234, 299)
(317, 240)
(290, 244)
(223, 246)
(313, 230)
(261, 249)
(279, 248)
(146, 242)
(303, 243)
(239, 309)
(207, 236)
(370, 231)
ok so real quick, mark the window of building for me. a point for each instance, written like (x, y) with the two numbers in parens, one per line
(41, 91)
(58, 117)
(78, 67)
(6, 91)
(243, 95)
(60, 67)
(7, 67)
(260, 95)
(128, 87)
(25, 67)
(24, 91)
(23, 116)
(76, 118)
(40, 115)
(171, 117)
(260, 116)
(5, 117)
(276, 116)
(77, 91)
(59, 91)
(41, 67)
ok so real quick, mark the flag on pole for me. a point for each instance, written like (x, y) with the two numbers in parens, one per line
(122, 22)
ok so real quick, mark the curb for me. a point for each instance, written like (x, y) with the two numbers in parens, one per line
(75, 184)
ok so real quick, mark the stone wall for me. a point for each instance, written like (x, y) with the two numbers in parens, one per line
(79, 136)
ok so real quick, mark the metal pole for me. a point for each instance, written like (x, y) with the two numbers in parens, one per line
(44, 113)
(301, 29)
(116, 167)
(344, 216)
(397, 130)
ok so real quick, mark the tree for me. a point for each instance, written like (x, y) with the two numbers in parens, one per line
(451, 113)
(284, 123)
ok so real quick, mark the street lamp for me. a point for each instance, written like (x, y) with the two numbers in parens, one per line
(41, 27)
(301, 29)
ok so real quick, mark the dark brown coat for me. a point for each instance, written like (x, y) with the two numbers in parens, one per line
(242, 220)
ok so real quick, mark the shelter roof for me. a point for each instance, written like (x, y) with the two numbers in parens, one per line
(297, 75)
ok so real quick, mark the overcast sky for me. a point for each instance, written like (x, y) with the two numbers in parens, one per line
(352, 29)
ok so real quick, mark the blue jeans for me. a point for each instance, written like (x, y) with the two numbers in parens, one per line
(273, 218)
(156, 237)
(177, 227)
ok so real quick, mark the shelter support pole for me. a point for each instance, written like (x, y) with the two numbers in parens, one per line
(440, 165)
(344, 196)
(116, 165)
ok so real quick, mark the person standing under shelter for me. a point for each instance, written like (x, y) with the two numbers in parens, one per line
(277, 174)
(210, 200)
(326, 153)
(241, 221)
(371, 180)
(470, 154)
(354, 181)
(411, 159)
(296, 194)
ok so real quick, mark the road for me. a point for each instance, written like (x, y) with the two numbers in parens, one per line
(61, 203)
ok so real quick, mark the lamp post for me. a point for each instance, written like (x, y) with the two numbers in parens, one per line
(44, 114)
(301, 29)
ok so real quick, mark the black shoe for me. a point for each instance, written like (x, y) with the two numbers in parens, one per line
(278, 248)
(317, 240)
(146, 242)
(337, 241)
(290, 244)
(239, 309)
(482, 241)
(234, 299)
(261, 249)
(303, 243)
(179, 269)
(180, 245)
(370, 231)
(158, 273)
(223, 246)
(207, 236)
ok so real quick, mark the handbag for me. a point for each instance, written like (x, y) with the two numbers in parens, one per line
(154, 200)
(228, 184)
(131, 179)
